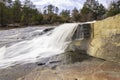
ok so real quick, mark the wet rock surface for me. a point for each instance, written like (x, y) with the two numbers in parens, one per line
(17, 71)
(12, 36)
(91, 69)
(14, 72)
(74, 64)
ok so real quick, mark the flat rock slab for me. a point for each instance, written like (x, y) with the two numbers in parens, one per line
(14, 72)
(20, 70)
(12, 36)
(92, 69)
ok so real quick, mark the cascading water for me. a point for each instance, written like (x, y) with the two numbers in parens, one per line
(49, 44)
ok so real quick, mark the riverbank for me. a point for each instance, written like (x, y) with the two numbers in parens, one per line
(15, 27)
(88, 69)
(64, 67)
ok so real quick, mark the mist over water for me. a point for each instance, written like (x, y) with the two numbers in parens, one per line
(52, 43)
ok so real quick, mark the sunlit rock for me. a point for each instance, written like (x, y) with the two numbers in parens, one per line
(106, 41)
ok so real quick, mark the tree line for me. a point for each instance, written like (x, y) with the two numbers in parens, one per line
(26, 13)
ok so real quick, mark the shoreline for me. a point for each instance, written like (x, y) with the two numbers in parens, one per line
(14, 27)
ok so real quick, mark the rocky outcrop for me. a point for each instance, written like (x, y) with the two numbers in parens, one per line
(75, 65)
(90, 69)
(105, 43)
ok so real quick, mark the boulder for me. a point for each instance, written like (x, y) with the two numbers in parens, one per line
(91, 69)
(105, 43)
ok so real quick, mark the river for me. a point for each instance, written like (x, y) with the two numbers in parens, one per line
(22, 48)
(13, 36)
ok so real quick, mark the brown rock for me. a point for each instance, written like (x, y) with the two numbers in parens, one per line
(94, 69)
(106, 41)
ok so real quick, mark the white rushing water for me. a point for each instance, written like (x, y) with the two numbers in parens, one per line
(52, 43)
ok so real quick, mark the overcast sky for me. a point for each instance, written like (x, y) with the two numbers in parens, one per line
(65, 4)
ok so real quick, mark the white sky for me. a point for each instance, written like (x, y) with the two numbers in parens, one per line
(65, 4)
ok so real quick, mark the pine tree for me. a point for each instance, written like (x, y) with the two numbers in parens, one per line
(3, 15)
(92, 10)
(75, 15)
(16, 11)
(114, 8)
(56, 10)
(65, 15)
(28, 13)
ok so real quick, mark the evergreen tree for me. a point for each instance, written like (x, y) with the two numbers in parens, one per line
(50, 14)
(50, 9)
(9, 12)
(3, 13)
(45, 11)
(114, 8)
(92, 10)
(56, 10)
(16, 11)
(86, 14)
(100, 12)
(39, 18)
(75, 15)
(28, 13)
(65, 15)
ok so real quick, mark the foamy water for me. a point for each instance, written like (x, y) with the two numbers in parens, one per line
(49, 44)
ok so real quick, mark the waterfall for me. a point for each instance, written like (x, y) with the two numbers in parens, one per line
(79, 33)
(52, 43)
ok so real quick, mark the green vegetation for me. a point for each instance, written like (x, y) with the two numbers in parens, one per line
(15, 13)
(114, 8)
(92, 11)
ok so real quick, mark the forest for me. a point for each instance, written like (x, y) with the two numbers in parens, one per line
(16, 13)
